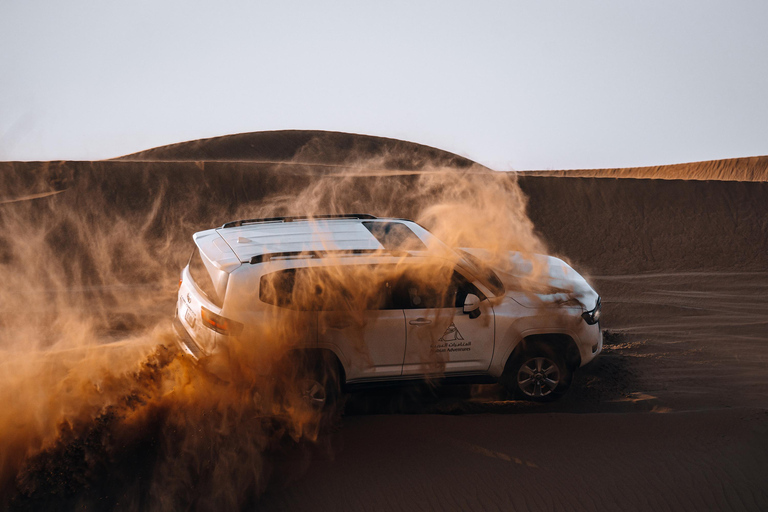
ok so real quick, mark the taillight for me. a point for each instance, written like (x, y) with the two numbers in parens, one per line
(220, 324)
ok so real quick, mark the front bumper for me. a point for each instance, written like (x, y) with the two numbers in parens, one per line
(591, 350)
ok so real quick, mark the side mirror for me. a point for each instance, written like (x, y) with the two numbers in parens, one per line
(472, 305)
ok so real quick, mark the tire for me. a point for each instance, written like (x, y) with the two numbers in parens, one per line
(320, 389)
(538, 374)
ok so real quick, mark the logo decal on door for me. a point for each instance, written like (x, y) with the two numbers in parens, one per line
(451, 334)
(451, 341)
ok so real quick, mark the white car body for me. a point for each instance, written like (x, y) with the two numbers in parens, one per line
(398, 344)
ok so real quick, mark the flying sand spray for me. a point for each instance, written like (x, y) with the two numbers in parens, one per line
(94, 396)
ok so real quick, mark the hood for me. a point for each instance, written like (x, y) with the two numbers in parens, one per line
(539, 280)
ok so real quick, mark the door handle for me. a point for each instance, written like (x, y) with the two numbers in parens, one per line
(420, 321)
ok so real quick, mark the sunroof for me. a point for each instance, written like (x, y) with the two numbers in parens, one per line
(395, 236)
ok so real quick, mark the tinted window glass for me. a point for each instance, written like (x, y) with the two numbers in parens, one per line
(352, 288)
(277, 288)
(395, 236)
(412, 292)
(202, 278)
(464, 288)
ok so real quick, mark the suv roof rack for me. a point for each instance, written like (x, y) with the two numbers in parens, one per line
(238, 223)
(261, 258)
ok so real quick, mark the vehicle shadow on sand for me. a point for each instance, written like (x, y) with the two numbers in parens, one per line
(607, 384)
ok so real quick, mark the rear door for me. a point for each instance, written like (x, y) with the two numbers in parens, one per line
(440, 338)
(371, 345)
(359, 322)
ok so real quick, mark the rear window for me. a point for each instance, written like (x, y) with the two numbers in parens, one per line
(202, 278)
(395, 236)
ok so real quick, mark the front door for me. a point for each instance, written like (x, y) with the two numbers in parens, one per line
(440, 338)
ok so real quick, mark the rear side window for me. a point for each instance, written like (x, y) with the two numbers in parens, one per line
(277, 288)
(202, 277)
(395, 236)
(363, 287)
(352, 288)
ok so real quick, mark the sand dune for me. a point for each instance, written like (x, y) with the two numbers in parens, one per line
(630, 226)
(733, 169)
(673, 415)
(604, 226)
(320, 148)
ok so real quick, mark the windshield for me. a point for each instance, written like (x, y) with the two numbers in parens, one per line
(483, 273)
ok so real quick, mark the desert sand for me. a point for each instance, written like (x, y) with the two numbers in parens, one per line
(672, 416)
(732, 169)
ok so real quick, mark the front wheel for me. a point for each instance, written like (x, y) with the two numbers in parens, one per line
(538, 375)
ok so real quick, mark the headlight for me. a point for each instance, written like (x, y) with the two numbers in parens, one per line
(592, 317)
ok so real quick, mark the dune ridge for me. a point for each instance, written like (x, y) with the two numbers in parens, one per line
(673, 415)
(603, 225)
(754, 168)
(322, 148)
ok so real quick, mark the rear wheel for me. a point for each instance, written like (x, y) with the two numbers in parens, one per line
(538, 374)
(319, 390)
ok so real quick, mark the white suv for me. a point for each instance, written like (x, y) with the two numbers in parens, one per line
(373, 301)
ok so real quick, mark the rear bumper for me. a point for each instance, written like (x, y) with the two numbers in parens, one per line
(209, 363)
(185, 341)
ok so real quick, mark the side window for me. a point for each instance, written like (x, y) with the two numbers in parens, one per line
(380, 296)
(277, 288)
(464, 288)
(353, 288)
(413, 293)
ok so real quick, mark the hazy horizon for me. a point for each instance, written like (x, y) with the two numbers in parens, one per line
(512, 85)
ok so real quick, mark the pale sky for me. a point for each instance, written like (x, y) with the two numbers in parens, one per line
(536, 84)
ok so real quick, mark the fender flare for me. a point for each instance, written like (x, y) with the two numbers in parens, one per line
(324, 355)
(556, 338)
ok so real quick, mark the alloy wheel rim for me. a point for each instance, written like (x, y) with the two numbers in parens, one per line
(313, 393)
(538, 377)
